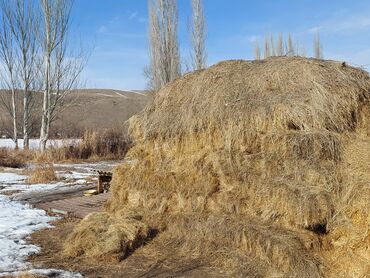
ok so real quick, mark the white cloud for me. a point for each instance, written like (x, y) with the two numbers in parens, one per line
(102, 29)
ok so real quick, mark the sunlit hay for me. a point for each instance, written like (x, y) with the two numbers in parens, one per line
(111, 239)
(256, 157)
(281, 251)
(42, 173)
(350, 236)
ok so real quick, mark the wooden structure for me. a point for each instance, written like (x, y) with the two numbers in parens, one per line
(76, 206)
(104, 181)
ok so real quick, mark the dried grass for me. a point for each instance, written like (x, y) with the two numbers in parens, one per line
(42, 173)
(13, 159)
(112, 240)
(106, 144)
(260, 168)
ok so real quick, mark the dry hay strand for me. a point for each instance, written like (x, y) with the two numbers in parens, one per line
(259, 168)
(112, 241)
(43, 173)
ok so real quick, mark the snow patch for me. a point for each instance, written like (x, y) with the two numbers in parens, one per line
(32, 187)
(11, 178)
(17, 222)
(57, 273)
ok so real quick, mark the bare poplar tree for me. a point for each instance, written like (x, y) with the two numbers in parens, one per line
(198, 36)
(163, 43)
(318, 46)
(22, 19)
(280, 45)
(290, 46)
(267, 52)
(272, 46)
(257, 51)
(60, 74)
(8, 70)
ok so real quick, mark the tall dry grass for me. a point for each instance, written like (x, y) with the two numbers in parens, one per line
(14, 158)
(106, 144)
(42, 173)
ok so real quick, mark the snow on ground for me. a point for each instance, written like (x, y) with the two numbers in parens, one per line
(35, 143)
(10, 178)
(57, 273)
(17, 222)
(33, 187)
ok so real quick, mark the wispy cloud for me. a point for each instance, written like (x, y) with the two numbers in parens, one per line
(102, 29)
(254, 38)
(133, 16)
(343, 22)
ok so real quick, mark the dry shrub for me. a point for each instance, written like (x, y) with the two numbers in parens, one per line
(13, 159)
(95, 145)
(42, 173)
(260, 168)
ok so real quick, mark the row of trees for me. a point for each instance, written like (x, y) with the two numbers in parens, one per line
(165, 62)
(287, 47)
(35, 57)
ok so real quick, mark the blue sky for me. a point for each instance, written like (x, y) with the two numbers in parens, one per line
(116, 30)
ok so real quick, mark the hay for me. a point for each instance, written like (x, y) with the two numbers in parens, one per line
(260, 168)
(42, 173)
(112, 239)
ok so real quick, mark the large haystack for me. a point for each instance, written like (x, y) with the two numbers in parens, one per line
(259, 168)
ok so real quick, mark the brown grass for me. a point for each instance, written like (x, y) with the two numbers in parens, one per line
(13, 159)
(260, 168)
(42, 173)
(106, 144)
(113, 240)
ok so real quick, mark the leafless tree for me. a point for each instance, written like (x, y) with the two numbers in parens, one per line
(198, 36)
(163, 43)
(23, 22)
(280, 45)
(318, 46)
(8, 70)
(272, 46)
(257, 51)
(267, 52)
(60, 73)
(290, 46)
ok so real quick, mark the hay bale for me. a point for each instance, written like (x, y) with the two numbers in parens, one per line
(249, 162)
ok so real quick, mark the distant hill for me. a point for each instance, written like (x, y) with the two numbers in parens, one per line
(88, 109)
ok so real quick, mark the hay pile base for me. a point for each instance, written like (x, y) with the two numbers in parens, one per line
(259, 168)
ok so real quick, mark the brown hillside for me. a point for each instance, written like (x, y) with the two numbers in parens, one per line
(259, 168)
(86, 109)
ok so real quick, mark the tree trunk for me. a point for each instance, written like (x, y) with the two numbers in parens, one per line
(15, 129)
(26, 138)
(44, 120)
(44, 132)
